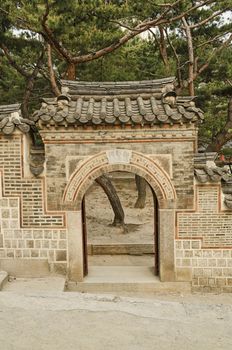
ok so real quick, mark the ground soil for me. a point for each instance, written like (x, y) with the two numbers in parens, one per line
(139, 222)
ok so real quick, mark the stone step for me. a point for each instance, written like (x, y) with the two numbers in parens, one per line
(132, 279)
(114, 249)
(121, 260)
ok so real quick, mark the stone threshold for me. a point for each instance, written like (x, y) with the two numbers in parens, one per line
(125, 279)
(122, 248)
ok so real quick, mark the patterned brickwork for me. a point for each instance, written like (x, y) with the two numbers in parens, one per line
(210, 224)
(29, 190)
(26, 230)
(17, 242)
(73, 144)
(211, 268)
(157, 178)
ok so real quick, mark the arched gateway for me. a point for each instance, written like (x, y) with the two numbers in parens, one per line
(120, 160)
(139, 127)
(124, 160)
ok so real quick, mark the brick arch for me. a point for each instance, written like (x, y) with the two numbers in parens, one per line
(120, 160)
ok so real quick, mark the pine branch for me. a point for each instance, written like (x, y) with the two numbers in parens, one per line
(179, 74)
(12, 61)
(212, 40)
(216, 14)
(215, 52)
(143, 26)
(190, 55)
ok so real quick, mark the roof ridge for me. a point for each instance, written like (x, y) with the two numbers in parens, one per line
(127, 83)
(10, 108)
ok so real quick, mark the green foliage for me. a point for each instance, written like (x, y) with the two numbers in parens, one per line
(213, 92)
(11, 84)
(138, 60)
(86, 26)
(226, 151)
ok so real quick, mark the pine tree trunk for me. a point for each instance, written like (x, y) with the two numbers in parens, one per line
(114, 200)
(141, 188)
(71, 72)
(190, 57)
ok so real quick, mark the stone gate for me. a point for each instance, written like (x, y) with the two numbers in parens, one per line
(94, 128)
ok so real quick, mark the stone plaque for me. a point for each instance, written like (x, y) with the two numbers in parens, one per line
(119, 156)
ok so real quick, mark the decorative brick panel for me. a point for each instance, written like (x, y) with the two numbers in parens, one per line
(211, 268)
(208, 222)
(26, 230)
(30, 191)
(178, 144)
(26, 243)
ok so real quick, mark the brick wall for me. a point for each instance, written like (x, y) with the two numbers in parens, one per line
(27, 230)
(209, 223)
(211, 269)
(204, 242)
(30, 191)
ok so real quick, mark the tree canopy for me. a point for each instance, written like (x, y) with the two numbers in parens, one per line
(43, 41)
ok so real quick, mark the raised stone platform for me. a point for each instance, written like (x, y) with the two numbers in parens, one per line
(126, 279)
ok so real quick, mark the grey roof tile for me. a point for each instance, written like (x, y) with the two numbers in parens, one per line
(131, 102)
(11, 119)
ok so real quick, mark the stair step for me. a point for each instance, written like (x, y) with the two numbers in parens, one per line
(121, 260)
(114, 249)
(126, 279)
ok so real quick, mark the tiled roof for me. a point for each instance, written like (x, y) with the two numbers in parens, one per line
(210, 174)
(10, 119)
(144, 102)
(213, 173)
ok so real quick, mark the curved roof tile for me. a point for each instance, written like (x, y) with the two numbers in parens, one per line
(98, 103)
(11, 119)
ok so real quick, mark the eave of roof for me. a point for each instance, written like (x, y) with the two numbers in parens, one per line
(11, 119)
(118, 103)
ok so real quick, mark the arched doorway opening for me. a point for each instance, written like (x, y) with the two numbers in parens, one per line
(131, 243)
(120, 160)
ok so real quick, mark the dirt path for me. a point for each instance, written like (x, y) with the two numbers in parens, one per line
(95, 322)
